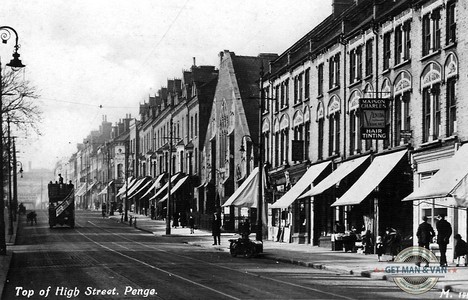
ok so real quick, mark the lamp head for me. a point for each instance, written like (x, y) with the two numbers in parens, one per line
(15, 63)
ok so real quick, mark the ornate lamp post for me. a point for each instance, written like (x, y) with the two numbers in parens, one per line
(6, 33)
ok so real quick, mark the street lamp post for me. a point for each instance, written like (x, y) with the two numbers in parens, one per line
(259, 227)
(6, 33)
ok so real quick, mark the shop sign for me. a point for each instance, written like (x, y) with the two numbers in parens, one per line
(407, 134)
(374, 118)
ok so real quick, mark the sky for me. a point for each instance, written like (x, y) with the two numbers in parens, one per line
(94, 58)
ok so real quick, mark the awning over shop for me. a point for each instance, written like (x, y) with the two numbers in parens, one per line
(341, 172)
(164, 188)
(106, 188)
(90, 186)
(175, 188)
(81, 190)
(449, 181)
(129, 184)
(380, 167)
(246, 195)
(306, 181)
(156, 184)
(144, 188)
(135, 187)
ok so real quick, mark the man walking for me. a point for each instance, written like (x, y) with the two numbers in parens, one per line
(444, 231)
(425, 233)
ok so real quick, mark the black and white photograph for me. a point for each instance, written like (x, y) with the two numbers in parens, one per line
(214, 149)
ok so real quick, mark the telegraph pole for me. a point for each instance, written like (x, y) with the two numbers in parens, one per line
(169, 211)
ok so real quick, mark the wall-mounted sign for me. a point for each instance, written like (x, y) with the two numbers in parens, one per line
(374, 118)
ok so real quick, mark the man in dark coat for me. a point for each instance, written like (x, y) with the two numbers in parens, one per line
(444, 231)
(216, 227)
(425, 233)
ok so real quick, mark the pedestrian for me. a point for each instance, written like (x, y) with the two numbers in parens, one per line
(191, 222)
(153, 211)
(367, 242)
(444, 231)
(425, 233)
(461, 249)
(60, 179)
(103, 208)
(392, 242)
(216, 227)
(175, 221)
(380, 249)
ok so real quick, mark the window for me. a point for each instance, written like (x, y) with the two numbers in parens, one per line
(282, 95)
(369, 57)
(387, 52)
(286, 91)
(296, 89)
(320, 80)
(406, 40)
(334, 71)
(266, 145)
(277, 95)
(191, 127)
(334, 134)
(451, 34)
(431, 113)
(301, 87)
(355, 65)
(277, 148)
(264, 100)
(431, 32)
(320, 138)
(354, 136)
(196, 125)
(307, 84)
(306, 139)
(451, 107)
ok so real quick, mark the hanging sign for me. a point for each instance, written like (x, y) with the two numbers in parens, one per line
(374, 118)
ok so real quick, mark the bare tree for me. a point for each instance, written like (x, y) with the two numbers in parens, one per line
(18, 103)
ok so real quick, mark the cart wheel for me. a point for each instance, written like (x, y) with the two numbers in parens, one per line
(233, 249)
(249, 252)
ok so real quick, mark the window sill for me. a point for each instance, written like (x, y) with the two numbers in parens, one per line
(386, 71)
(368, 77)
(337, 87)
(450, 45)
(355, 83)
(284, 108)
(319, 97)
(297, 104)
(432, 54)
(265, 113)
(404, 63)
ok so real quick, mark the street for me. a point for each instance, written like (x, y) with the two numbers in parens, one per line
(103, 259)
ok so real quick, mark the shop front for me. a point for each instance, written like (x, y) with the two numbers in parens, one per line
(290, 218)
(441, 188)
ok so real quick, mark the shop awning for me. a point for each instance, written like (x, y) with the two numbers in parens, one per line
(134, 189)
(449, 181)
(90, 186)
(81, 190)
(130, 182)
(156, 184)
(306, 181)
(336, 176)
(144, 188)
(106, 188)
(246, 195)
(175, 188)
(164, 188)
(380, 167)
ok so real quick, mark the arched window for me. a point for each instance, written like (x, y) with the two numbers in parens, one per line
(306, 133)
(276, 132)
(334, 126)
(451, 76)
(284, 139)
(402, 90)
(354, 123)
(430, 83)
(298, 128)
(266, 139)
(320, 129)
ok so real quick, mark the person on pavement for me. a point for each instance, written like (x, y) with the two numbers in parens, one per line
(216, 227)
(461, 249)
(444, 231)
(425, 233)
(392, 242)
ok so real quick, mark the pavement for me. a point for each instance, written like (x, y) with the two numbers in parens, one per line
(356, 264)
(5, 260)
